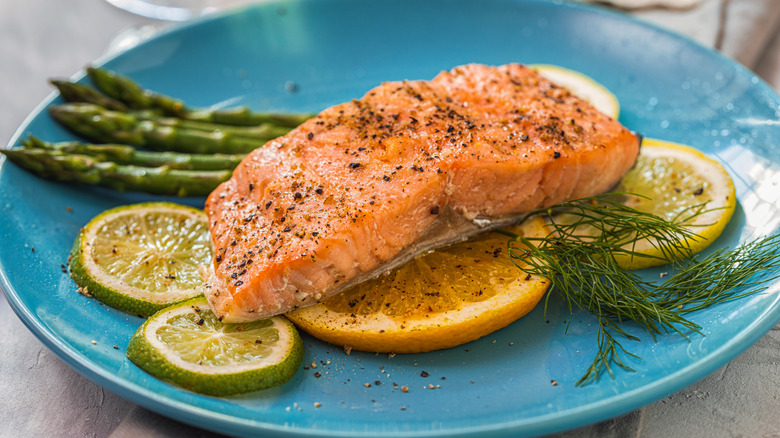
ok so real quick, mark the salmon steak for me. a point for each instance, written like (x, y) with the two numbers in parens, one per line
(413, 165)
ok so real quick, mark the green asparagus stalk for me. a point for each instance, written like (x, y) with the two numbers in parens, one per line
(128, 155)
(104, 126)
(266, 131)
(86, 170)
(76, 92)
(126, 90)
(133, 95)
(243, 116)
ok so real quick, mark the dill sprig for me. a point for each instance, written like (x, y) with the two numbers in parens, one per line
(582, 267)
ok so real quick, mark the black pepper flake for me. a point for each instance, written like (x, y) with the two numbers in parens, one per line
(435, 209)
(268, 204)
(556, 155)
(319, 190)
(310, 135)
(354, 165)
(238, 283)
(698, 191)
(297, 195)
(386, 178)
(251, 186)
(315, 233)
(424, 374)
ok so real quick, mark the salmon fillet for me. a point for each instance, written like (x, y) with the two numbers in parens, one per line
(413, 165)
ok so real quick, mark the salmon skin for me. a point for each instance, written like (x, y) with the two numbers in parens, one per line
(413, 165)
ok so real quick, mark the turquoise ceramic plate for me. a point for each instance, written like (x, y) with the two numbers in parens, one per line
(336, 50)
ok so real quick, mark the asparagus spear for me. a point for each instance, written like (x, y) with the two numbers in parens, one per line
(136, 97)
(84, 169)
(128, 155)
(104, 126)
(75, 92)
(126, 90)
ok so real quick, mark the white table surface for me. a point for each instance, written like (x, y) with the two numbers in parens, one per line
(41, 396)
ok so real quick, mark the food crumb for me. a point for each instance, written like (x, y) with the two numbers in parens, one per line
(69, 209)
(116, 347)
(554, 382)
(404, 389)
(94, 342)
(367, 385)
(317, 404)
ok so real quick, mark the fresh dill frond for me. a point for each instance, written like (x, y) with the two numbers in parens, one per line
(579, 257)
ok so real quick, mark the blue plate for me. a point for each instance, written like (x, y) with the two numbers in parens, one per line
(336, 50)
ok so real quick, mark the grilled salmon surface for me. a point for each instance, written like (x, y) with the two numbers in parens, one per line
(413, 165)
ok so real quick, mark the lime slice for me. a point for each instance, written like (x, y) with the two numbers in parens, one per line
(680, 184)
(186, 344)
(141, 258)
(582, 86)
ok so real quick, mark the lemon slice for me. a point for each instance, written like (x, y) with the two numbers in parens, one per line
(440, 299)
(676, 182)
(143, 257)
(582, 86)
(186, 344)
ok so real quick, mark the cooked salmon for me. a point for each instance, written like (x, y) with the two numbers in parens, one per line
(412, 165)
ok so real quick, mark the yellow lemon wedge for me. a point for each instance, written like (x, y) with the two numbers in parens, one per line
(582, 86)
(680, 184)
(440, 299)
